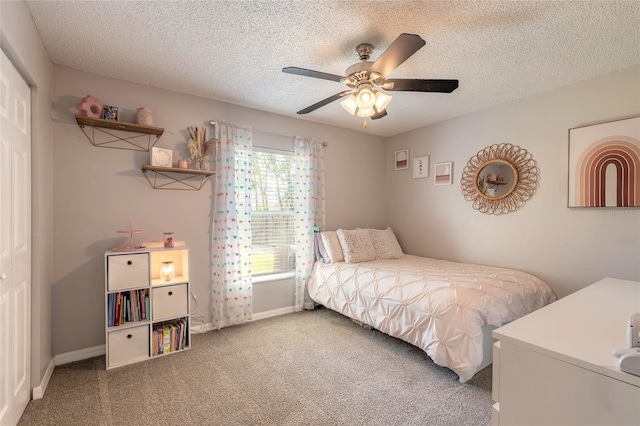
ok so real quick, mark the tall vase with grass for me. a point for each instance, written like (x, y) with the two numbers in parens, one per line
(200, 148)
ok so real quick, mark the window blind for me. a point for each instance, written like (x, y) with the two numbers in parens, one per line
(272, 230)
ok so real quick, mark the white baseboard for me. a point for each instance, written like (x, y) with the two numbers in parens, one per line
(273, 313)
(101, 350)
(203, 328)
(38, 391)
(80, 354)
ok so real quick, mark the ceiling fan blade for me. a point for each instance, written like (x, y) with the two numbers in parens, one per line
(311, 73)
(325, 102)
(418, 85)
(379, 114)
(400, 50)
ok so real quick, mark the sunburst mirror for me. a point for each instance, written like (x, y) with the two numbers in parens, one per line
(500, 179)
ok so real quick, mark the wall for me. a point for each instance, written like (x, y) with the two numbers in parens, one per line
(21, 43)
(97, 190)
(568, 248)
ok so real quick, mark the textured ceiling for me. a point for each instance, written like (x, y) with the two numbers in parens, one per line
(233, 51)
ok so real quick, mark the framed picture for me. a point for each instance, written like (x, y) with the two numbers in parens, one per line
(402, 159)
(421, 167)
(110, 113)
(161, 157)
(443, 173)
(604, 164)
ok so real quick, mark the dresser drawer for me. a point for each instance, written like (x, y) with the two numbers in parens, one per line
(125, 271)
(129, 345)
(170, 301)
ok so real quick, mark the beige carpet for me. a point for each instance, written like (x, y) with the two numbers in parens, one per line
(308, 368)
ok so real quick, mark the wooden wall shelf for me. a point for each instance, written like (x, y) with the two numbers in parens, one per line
(119, 134)
(175, 178)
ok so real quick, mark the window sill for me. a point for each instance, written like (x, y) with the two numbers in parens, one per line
(273, 277)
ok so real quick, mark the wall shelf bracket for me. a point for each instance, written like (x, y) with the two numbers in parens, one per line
(176, 179)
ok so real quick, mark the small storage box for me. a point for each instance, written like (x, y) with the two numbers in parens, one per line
(171, 301)
(128, 345)
(128, 271)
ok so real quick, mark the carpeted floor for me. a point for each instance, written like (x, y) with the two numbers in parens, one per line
(307, 368)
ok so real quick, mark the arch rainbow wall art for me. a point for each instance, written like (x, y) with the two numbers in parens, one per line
(604, 164)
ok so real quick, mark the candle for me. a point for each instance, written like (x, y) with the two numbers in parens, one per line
(168, 239)
(183, 164)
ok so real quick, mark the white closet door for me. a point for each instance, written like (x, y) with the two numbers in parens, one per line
(15, 243)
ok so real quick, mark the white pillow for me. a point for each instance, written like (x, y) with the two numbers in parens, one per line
(356, 245)
(385, 244)
(332, 246)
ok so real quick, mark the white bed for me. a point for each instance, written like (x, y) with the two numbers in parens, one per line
(445, 308)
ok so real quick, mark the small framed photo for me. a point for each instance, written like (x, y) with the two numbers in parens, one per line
(110, 112)
(402, 159)
(161, 157)
(443, 173)
(421, 167)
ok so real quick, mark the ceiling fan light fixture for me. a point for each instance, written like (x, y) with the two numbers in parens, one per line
(349, 104)
(365, 99)
(366, 112)
(382, 100)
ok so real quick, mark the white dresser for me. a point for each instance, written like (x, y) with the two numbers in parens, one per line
(555, 367)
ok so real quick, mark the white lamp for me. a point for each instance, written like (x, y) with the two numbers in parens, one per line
(167, 271)
(365, 99)
(366, 112)
(382, 101)
(349, 104)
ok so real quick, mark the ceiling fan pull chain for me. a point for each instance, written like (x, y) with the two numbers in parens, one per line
(364, 123)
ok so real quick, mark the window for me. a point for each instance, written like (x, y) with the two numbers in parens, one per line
(272, 231)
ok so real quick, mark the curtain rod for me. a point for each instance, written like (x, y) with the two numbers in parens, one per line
(260, 132)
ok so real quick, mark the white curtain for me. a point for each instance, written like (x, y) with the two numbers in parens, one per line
(231, 226)
(308, 212)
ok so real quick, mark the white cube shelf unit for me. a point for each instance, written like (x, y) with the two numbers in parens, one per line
(147, 315)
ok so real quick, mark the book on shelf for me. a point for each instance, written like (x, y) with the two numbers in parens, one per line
(166, 339)
(127, 306)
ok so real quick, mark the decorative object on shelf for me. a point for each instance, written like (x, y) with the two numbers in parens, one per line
(168, 239)
(118, 134)
(110, 113)
(167, 271)
(90, 106)
(519, 182)
(130, 246)
(402, 159)
(183, 164)
(443, 173)
(201, 149)
(421, 167)
(161, 157)
(604, 164)
(144, 116)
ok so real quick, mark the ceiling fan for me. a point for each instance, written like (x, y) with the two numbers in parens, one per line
(365, 78)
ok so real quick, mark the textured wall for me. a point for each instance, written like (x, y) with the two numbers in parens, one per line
(568, 248)
(96, 190)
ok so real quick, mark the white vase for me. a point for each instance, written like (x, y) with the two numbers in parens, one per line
(202, 163)
(144, 116)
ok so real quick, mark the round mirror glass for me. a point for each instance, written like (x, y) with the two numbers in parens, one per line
(496, 179)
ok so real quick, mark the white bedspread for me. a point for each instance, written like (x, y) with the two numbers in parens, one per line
(437, 305)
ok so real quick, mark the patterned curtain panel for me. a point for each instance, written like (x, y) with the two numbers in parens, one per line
(308, 212)
(231, 226)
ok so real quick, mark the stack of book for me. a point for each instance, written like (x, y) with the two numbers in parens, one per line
(128, 306)
(167, 338)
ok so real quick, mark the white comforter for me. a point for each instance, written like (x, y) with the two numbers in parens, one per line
(437, 305)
